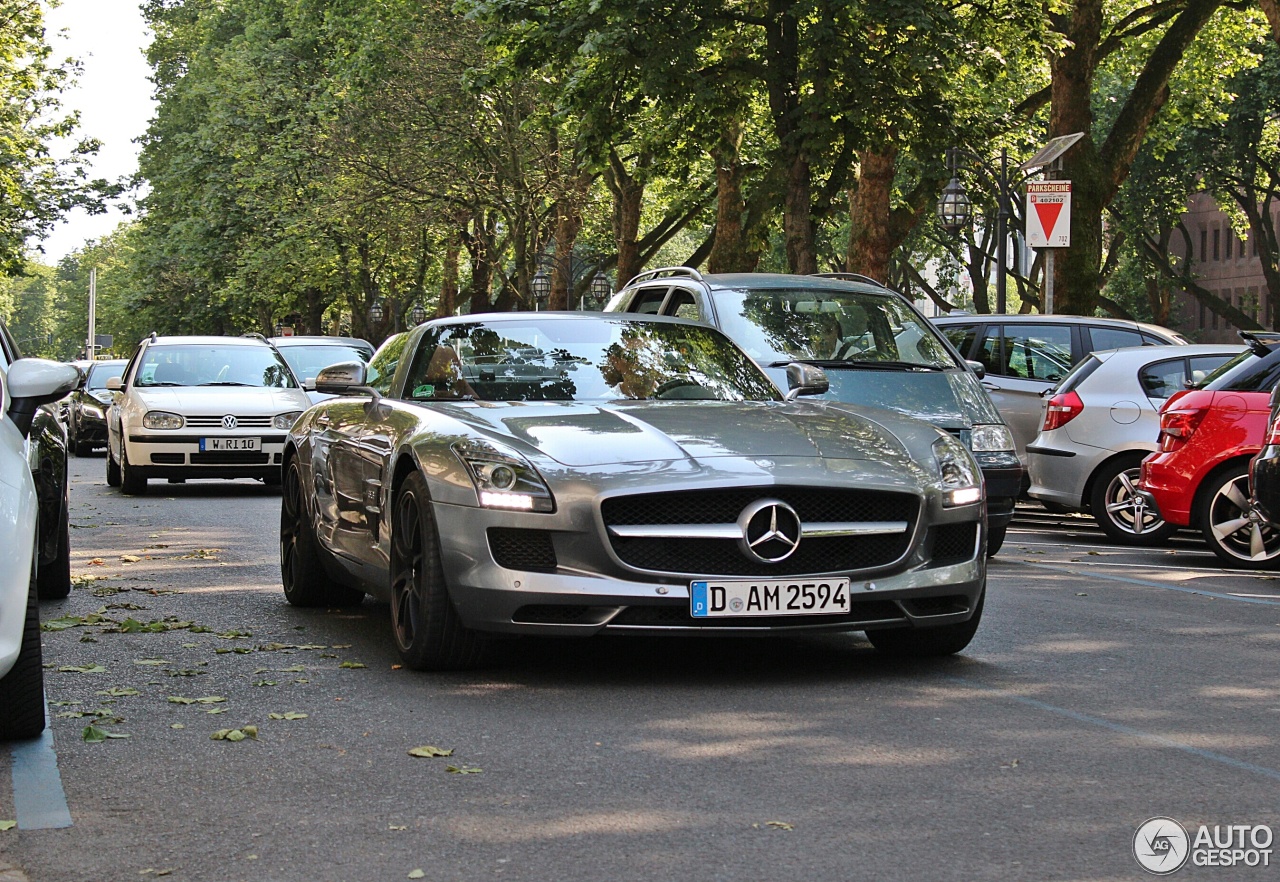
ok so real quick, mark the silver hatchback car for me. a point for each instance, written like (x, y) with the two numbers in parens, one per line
(1098, 425)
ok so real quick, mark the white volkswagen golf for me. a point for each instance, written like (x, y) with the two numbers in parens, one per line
(28, 383)
(201, 407)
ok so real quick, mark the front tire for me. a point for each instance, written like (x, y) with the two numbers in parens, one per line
(1121, 511)
(22, 689)
(53, 582)
(428, 632)
(113, 468)
(1236, 533)
(131, 483)
(302, 572)
(928, 642)
(995, 538)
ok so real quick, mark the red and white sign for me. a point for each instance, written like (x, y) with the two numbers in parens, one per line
(1049, 214)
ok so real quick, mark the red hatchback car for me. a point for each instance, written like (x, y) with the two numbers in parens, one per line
(1200, 476)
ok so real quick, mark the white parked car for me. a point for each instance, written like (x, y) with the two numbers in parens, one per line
(26, 385)
(201, 407)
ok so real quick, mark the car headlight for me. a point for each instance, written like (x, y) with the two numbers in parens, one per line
(104, 397)
(159, 419)
(285, 421)
(503, 478)
(961, 480)
(92, 411)
(991, 438)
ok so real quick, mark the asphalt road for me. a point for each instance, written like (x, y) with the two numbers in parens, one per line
(1105, 687)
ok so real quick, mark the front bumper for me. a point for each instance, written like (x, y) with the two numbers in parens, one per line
(180, 456)
(581, 590)
(1004, 485)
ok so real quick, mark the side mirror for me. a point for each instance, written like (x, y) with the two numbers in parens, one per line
(805, 379)
(115, 384)
(32, 382)
(345, 378)
(977, 367)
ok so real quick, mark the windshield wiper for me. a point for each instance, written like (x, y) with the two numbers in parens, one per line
(861, 363)
(226, 383)
(164, 383)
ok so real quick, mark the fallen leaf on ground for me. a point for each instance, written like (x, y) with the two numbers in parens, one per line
(7, 825)
(351, 664)
(82, 669)
(291, 715)
(129, 558)
(94, 735)
(463, 770)
(417, 874)
(780, 825)
(429, 750)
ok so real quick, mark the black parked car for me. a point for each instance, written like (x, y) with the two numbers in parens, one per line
(48, 442)
(87, 406)
(876, 348)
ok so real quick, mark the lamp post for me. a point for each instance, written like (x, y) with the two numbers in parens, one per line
(376, 313)
(955, 210)
(418, 314)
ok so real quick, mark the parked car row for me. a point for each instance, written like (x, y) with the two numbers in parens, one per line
(845, 463)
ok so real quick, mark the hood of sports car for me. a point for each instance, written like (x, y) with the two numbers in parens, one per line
(223, 399)
(577, 434)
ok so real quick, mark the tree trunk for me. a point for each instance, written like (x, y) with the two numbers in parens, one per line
(869, 238)
(448, 300)
(729, 251)
(628, 196)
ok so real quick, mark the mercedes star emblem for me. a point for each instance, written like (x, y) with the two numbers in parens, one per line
(770, 530)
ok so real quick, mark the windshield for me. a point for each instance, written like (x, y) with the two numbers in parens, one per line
(588, 359)
(831, 327)
(100, 373)
(213, 365)
(308, 361)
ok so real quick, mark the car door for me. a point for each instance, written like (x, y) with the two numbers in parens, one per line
(1022, 362)
(347, 476)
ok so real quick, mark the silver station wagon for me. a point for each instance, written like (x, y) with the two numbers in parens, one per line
(578, 473)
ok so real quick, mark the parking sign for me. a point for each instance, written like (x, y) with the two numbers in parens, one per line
(1049, 214)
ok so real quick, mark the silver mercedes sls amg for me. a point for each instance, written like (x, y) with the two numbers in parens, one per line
(577, 474)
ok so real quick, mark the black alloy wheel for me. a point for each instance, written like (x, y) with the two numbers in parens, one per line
(302, 572)
(428, 632)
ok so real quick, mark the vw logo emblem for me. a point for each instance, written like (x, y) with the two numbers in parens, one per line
(229, 422)
(770, 530)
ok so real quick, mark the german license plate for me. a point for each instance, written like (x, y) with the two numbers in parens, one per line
(709, 599)
(230, 444)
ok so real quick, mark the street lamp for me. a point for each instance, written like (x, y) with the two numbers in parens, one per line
(418, 314)
(954, 210)
(600, 289)
(540, 284)
(376, 313)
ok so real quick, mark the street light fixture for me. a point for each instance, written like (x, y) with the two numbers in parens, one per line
(540, 284)
(601, 288)
(954, 209)
(376, 313)
(418, 314)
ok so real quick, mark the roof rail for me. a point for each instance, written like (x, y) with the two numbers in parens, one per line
(1260, 342)
(850, 277)
(673, 271)
(255, 335)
